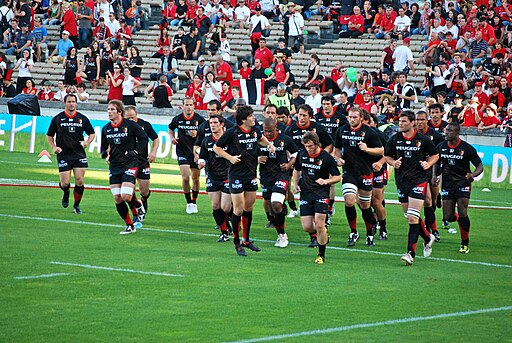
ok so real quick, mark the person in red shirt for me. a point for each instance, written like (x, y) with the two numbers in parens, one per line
(470, 115)
(368, 104)
(124, 32)
(386, 23)
(497, 98)
(223, 70)
(487, 30)
(168, 14)
(45, 93)
(245, 69)
(115, 81)
(355, 25)
(280, 73)
(68, 22)
(101, 32)
(433, 43)
(191, 16)
(226, 94)
(194, 91)
(264, 54)
(490, 119)
(336, 71)
(482, 97)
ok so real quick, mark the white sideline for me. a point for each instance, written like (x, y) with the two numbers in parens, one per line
(40, 276)
(114, 269)
(487, 264)
(369, 325)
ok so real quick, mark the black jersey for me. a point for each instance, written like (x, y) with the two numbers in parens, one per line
(435, 136)
(313, 167)
(331, 122)
(296, 132)
(184, 126)
(412, 151)
(244, 143)
(69, 132)
(455, 162)
(439, 127)
(216, 167)
(357, 162)
(90, 63)
(122, 140)
(151, 133)
(271, 170)
(383, 140)
(204, 130)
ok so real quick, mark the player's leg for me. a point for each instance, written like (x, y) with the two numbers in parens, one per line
(290, 199)
(64, 180)
(380, 211)
(349, 194)
(195, 173)
(332, 196)
(464, 223)
(321, 208)
(185, 185)
(236, 218)
(249, 200)
(125, 197)
(144, 192)
(218, 215)
(429, 210)
(364, 200)
(266, 193)
(78, 191)
(227, 207)
(277, 200)
(307, 213)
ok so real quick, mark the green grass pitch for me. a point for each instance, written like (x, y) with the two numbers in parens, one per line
(359, 295)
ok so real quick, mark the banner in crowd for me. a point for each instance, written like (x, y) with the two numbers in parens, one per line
(23, 133)
(251, 90)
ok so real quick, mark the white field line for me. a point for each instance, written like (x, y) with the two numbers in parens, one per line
(40, 276)
(24, 182)
(370, 325)
(88, 266)
(181, 232)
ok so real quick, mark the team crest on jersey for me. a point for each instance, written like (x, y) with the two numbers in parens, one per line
(319, 162)
(418, 144)
(125, 129)
(79, 121)
(254, 134)
(281, 143)
(313, 130)
(363, 134)
(461, 152)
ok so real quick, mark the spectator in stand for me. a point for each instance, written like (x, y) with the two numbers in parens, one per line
(135, 63)
(386, 24)
(453, 116)
(89, 68)
(61, 92)
(129, 85)
(242, 14)
(452, 28)
(270, 8)
(54, 13)
(191, 44)
(122, 52)
(29, 88)
(40, 40)
(336, 71)
(257, 72)
(124, 32)
(257, 25)
(369, 16)
(264, 54)
(113, 24)
(282, 48)
(245, 69)
(313, 71)
(176, 50)
(45, 92)
(213, 47)
(403, 58)
(84, 15)
(101, 32)
(107, 58)
(506, 127)
(297, 100)
(162, 94)
(415, 19)
(449, 45)
(23, 13)
(142, 17)
(194, 91)
(471, 115)
(24, 66)
(387, 60)
(180, 14)
(225, 49)
(226, 95)
(227, 15)
(429, 54)
(102, 9)
(368, 103)
(81, 95)
(68, 23)
(296, 28)
(222, 70)
(168, 66)
(327, 86)
(10, 34)
(314, 99)
(438, 79)
(22, 41)
(280, 73)
(346, 86)
(204, 26)
(456, 84)
(404, 92)
(169, 14)
(355, 25)
(424, 27)
(190, 18)
(211, 89)
(61, 50)
(71, 67)
(497, 98)
(490, 119)
(478, 49)
(201, 68)
(215, 11)
(487, 31)
(402, 25)
(115, 81)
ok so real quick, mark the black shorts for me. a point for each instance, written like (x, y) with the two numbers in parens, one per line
(280, 186)
(380, 179)
(363, 182)
(237, 186)
(143, 172)
(410, 190)
(121, 176)
(91, 74)
(67, 165)
(216, 185)
(187, 160)
(454, 194)
(310, 207)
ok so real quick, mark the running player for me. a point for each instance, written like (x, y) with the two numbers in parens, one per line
(360, 144)
(331, 118)
(275, 176)
(145, 158)
(456, 156)
(66, 138)
(436, 121)
(187, 124)
(297, 130)
(429, 207)
(122, 141)
(411, 154)
(242, 151)
(217, 184)
(314, 173)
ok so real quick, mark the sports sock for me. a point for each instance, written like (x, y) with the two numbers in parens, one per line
(430, 217)
(369, 220)
(412, 238)
(331, 204)
(144, 199)
(423, 232)
(270, 218)
(279, 222)
(312, 235)
(293, 205)
(220, 219)
(321, 250)
(246, 225)
(382, 224)
(188, 197)
(133, 203)
(195, 194)
(78, 192)
(351, 214)
(464, 225)
(235, 221)
(122, 209)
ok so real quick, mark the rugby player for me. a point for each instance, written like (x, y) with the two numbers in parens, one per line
(65, 136)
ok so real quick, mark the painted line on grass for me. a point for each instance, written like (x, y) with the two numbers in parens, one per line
(40, 276)
(377, 324)
(181, 232)
(9, 182)
(88, 266)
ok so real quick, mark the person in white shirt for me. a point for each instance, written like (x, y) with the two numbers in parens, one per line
(257, 24)
(61, 93)
(224, 48)
(314, 99)
(403, 58)
(452, 28)
(112, 24)
(270, 8)
(211, 88)
(295, 28)
(242, 14)
(81, 94)
(102, 9)
(402, 25)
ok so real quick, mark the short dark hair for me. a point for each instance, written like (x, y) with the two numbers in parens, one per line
(269, 105)
(215, 102)
(329, 98)
(409, 114)
(295, 86)
(283, 110)
(456, 126)
(70, 94)
(242, 113)
(436, 105)
(310, 136)
(306, 108)
(218, 116)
